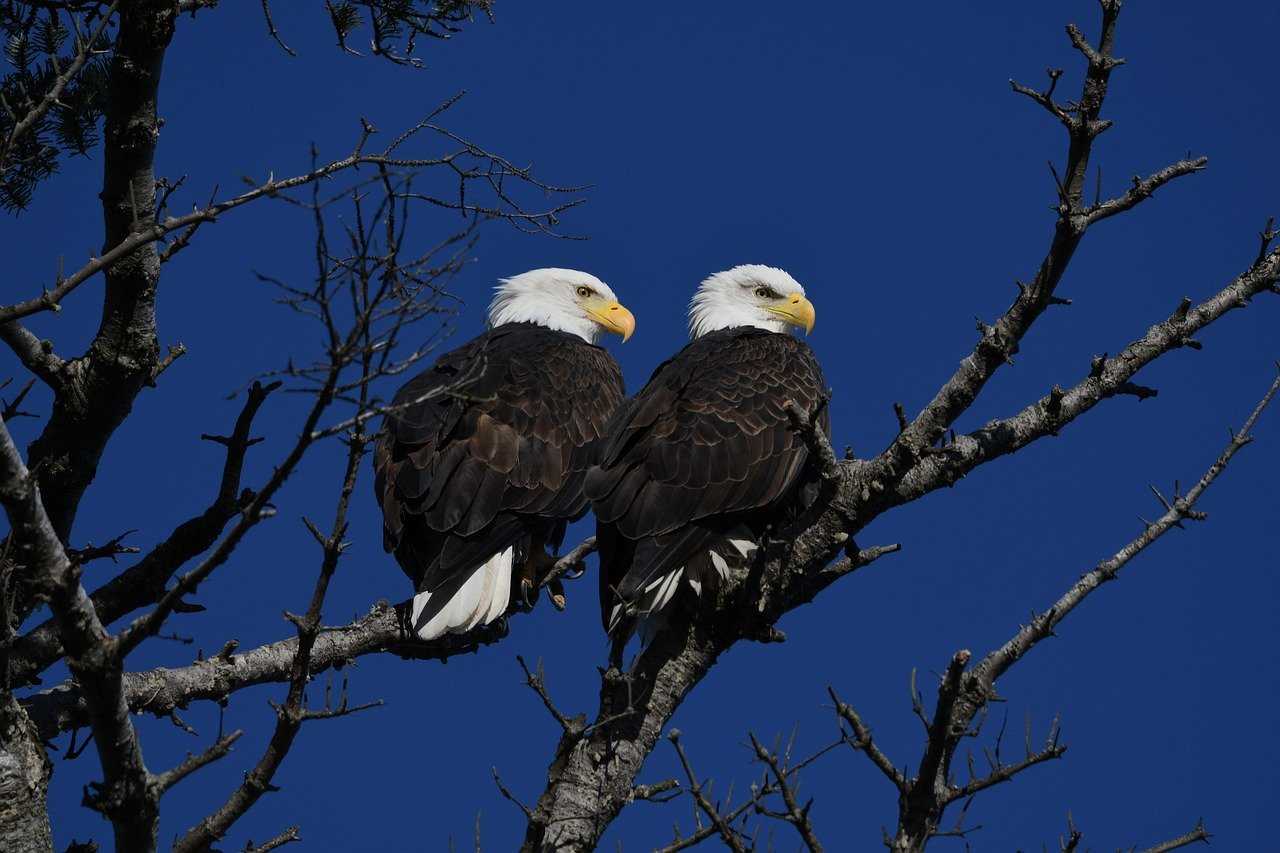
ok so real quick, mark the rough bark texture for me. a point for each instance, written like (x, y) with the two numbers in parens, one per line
(24, 783)
(99, 388)
(593, 769)
(161, 691)
(126, 796)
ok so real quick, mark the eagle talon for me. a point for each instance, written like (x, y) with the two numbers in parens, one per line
(528, 595)
(555, 592)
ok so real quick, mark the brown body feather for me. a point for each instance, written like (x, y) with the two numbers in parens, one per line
(705, 450)
(495, 451)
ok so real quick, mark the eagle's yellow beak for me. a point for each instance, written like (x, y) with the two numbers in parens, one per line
(797, 311)
(613, 317)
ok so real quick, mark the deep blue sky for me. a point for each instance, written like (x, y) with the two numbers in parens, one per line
(874, 151)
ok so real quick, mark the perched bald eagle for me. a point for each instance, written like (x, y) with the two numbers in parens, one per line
(482, 458)
(705, 456)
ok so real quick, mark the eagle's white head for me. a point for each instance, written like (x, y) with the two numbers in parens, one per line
(564, 300)
(750, 295)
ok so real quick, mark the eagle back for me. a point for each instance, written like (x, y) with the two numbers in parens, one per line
(508, 423)
(709, 434)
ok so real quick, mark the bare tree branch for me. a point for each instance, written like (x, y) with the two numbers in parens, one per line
(962, 694)
(91, 655)
(291, 715)
(36, 355)
(795, 814)
(862, 742)
(51, 299)
(731, 838)
(1144, 188)
(289, 836)
(999, 342)
(1194, 836)
(144, 582)
(166, 780)
(160, 691)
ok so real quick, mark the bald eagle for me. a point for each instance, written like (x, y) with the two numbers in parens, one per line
(705, 456)
(482, 457)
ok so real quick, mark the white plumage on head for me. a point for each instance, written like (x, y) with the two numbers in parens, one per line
(746, 295)
(551, 297)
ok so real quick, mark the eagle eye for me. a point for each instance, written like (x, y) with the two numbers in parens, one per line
(766, 293)
(584, 291)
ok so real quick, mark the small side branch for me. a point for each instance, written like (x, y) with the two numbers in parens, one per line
(1199, 834)
(36, 355)
(721, 826)
(1045, 98)
(1005, 772)
(1180, 509)
(1144, 188)
(820, 450)
(572, 726)
(291, 715)
(164, 781)
(795, 814)
(861, 742)
(271, 28)
(1195, 836)
(289, 836)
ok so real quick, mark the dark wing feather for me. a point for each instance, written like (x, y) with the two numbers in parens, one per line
(492, 442)
(706, 441)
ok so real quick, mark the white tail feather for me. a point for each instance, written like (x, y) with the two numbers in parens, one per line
(649, 609)
(457, 607)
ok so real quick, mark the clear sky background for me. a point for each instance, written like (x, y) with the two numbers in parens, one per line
(876, 152)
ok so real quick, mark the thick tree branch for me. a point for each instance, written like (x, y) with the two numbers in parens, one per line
(161, 691)
(25, 769)
(125, 796)
(1108, 377)
(124, 352)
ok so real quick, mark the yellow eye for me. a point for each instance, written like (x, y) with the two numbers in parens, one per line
(584, 291)
(764, 292)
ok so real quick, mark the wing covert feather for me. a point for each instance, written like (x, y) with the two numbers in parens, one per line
(501, 428)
